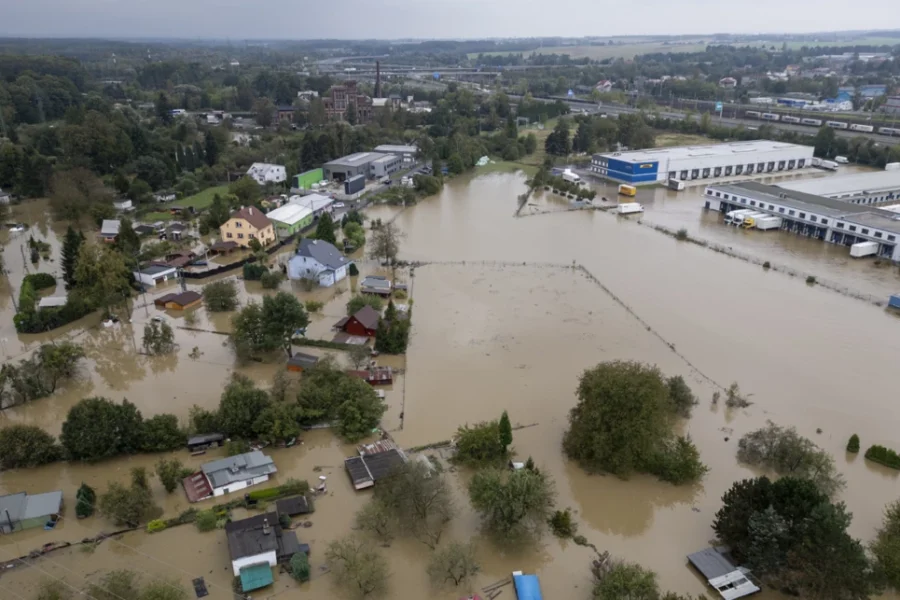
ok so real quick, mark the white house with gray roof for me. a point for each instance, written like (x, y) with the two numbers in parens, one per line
(25, 511)
(228, 475)
(320, 261)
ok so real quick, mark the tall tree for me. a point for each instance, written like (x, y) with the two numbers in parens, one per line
(127, 241)
(385, 242)
(265, 112)
(325, 229)
(102, 275)
(70, 249)
(512, 503)
(352, 114)
(317, 114)
(212, 149)
(241, 404)
(163, 109)
(283, 315)
(419, 499)
(505, 431)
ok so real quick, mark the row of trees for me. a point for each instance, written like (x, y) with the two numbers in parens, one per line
(114, 585)
(40, 374)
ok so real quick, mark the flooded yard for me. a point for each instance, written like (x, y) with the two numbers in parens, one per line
(503, 319)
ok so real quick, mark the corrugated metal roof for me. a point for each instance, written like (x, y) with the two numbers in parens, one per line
(42, 505)
(855, 183)
(238, 468)
(256, 576)
(711, 563)
(528, 587)
(290, 214)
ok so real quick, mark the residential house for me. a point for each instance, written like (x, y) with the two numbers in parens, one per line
(362, 323)
(26, 511)
(228, 475)
(179, 259)
(285, 112)
(143, 230)
(255, 545)
(123, 205)
(299, 362)
(365, 470)
(293, 506)
(109, 230)
(290, 219)
(175, 232)
(264, 173)
(307, 95)
(320, 261)
(221, 247)
(165, 196)
(182, 301)
(728, 580)
(155, 274)
(376, 284)
(247, 224)
(604, 86)
(728, 83)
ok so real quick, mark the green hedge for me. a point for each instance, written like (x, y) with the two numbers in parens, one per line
(156, 525)
(853, 444)
(254, 271)
(40, 281)
(291, 488)
(883, 456)
(31, 319)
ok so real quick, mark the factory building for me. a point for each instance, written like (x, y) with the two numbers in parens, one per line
(384, 166)
(827, 219)
(656, 165)
(406, 153)
(859, 188)
(350, 166)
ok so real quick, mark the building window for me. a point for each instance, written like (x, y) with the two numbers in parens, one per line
(684, 174)
(717, 172)
(865, 231)
(760, 167)
(853, 228)
(228, 235)
(781, 165)
(743, 201)
(753, 203)
(802, 215)
(705, 173)
(824, 222)
(790, 212)
(801, 163)
(739, 169)
(791, 164)
(240, 236)
(237, 224)
(725, 196)
(878, 234)
(749, 170)
(813, 219)
(727, 171)
(840, 225)
(780, 209)
(695, 174)
(718, 195)
(770, 166)
(891, 238)
(771, 207)
(251, 235)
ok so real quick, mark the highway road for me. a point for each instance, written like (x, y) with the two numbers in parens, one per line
(615, 110)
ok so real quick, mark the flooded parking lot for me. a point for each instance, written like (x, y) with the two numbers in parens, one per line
(503, 321)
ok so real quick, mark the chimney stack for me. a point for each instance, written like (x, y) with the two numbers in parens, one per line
(266, 529)
(378, 79)
(250, 210)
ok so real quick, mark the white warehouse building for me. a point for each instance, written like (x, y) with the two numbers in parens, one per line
(857, 188)
(733, 159)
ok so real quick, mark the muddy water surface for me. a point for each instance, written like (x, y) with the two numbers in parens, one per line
(490, 335)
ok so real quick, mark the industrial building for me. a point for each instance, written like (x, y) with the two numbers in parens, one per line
(384, 166)
(687, 163)
(406, 153)
(349, 166)
(827, 219)
(858, 188)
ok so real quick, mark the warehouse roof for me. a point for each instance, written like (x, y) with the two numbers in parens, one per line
(842, 185)
(386, 158)
(354, 160)
(290, 214)
(681, 152)
(314, 202)
(396, 148)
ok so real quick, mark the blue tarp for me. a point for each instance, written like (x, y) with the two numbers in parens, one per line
(527, 587)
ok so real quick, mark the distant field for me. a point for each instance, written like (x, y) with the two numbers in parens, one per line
(665, 140)
(635, 48)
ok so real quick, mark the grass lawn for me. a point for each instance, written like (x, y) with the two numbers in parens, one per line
(505, 166)
(537, 159)
(156, 216)
(665, 140)
(203, 199)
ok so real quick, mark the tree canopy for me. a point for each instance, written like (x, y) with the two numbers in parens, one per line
(512, 503)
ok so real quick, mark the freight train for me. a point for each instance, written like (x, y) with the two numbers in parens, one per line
(754, 114)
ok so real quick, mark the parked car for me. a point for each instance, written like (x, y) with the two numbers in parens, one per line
(339, 205)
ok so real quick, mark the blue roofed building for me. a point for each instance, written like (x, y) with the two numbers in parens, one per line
(528, 587)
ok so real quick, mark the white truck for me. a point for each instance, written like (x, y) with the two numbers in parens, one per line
(767, 223)
(736, 217)
(841, 160)
(862, 249)
(750, 219)
(571, 177)
(676, 184)
(894, 166)
(629, 208)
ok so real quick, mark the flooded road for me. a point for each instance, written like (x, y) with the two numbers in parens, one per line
(512, 328)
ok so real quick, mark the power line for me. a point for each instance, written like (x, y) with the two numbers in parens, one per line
(162, 562)
(63, 581)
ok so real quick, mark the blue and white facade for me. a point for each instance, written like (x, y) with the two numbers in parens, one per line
(687, 163)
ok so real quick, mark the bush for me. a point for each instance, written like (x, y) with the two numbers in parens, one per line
(562, 525)
(220, 296)
(766, 265)
(254, 271)
(679, 462)
(206, 520)
(284, 520)
(853, 444)
(360, 300)
(85, 499)
(27, 446)
(883, 456)
(811, 280)
(40, 281)
(300, 566)
(354, 271)
(270, 280)
(312, 306)
(681, 234)
(479, 444)
(156, 525)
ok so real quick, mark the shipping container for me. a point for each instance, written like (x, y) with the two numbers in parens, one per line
(841, 160)
(894, 301)
(749, 219)
(767, 223)
(571, 177)
(892, 166)
(676, 184)
(628, 208)
(862, 249)
(355, 184)
(627, 190)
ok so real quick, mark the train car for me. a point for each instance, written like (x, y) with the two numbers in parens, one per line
(752, 114)
(813, 122)
(769, 117)
(888, 131)
(790, 119)
(837, 125)
(862, 128)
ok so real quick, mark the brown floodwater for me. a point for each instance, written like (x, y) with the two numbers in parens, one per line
(511, 329)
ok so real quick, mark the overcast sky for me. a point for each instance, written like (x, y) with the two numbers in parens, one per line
(385, 19)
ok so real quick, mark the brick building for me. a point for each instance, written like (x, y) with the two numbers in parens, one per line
(341, 97)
